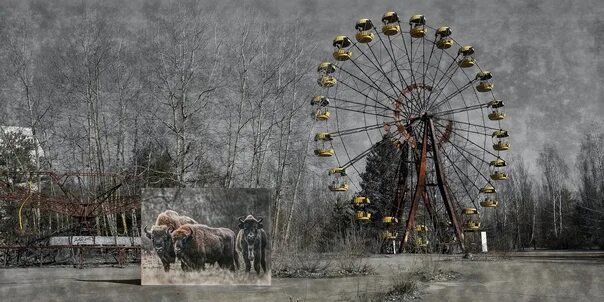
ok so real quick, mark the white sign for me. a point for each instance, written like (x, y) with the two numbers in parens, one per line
(95, 240)
(483, 239)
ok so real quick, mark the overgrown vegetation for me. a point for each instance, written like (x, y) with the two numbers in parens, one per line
(167, 89)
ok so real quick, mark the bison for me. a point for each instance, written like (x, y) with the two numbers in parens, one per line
(166, 222)
(252, 242)
(198, 244)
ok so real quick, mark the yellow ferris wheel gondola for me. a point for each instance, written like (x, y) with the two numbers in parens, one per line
(337, 171)
(327, 81)
(496, 114)
(319, 100)
(421, 228)
(364, 27)
(472, 225)
(443, 33)
(501, 146)
(498, 175)
(500, 133)
(321, 114)
(323, 136)
(485, 85)
(389, 220)
(391, 24)
(418, 28)
(488, 189)
(341, 43)
(360, 200)
(489, 203)
(498, 163)
(467, 61)
(421, 242)
(326, 68)
(343, 187)
(470, 211)
(388, 235)
(362, 216)
(325, 152)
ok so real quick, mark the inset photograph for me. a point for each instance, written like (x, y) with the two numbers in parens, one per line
(202, 236)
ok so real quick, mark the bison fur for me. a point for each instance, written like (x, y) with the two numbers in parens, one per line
(198, 244)
(160, 235)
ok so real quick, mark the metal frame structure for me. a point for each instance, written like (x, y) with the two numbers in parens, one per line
(414, 89)
(79, 195)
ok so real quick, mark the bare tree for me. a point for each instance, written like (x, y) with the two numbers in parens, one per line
(554, 171)
(182, 59)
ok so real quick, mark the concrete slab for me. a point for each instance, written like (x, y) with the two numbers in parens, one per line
(535, 276)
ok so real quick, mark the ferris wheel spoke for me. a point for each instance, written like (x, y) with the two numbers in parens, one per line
(462, 109)
(437, 69)
(426, 66)
(471, 131)
(379, 68)
(445, 75)
(457, 199)
(366, 152)
(451, 96)
(470, 161)
(359, 129)
(458, 170)
(364, 105)
(409, 56)
(473, 143)
(462, 122)
(416, 104)
(362, 93)
(393, 59)
(375, 85)
(358, 111)
(409, 102)
(388, 155)
(362, 81)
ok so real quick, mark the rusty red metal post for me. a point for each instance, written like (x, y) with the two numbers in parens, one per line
(419, 189)
(440, 177)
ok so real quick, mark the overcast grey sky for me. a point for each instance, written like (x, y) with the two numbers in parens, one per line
(545, 56)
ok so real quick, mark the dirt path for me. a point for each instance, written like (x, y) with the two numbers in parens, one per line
(540, 276)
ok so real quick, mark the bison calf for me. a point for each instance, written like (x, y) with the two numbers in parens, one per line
(198, 244)
(252, 242)
(165, 223)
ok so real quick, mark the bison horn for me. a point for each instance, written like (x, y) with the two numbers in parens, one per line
(241, 218)
(147, 232)
(260, 220)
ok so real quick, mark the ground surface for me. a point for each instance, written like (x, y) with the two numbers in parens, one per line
(527, 276)
(153, 274)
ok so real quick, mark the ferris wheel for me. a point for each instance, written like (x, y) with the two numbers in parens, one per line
(415, 88)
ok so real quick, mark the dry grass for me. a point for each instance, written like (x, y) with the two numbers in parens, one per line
(429, 269)
(305, 263)
(152, 273)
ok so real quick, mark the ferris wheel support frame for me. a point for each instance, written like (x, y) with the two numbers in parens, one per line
(420, 189)
(401, 185)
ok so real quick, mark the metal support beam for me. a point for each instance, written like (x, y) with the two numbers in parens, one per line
(420, 188)
(441, 186)
(401, 186)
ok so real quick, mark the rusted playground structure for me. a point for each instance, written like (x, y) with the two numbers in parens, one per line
(73, 218)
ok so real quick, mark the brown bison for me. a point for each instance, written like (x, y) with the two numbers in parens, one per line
(252, 242)
(165, 223)
(198, 244)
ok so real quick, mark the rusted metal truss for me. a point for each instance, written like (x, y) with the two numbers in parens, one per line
(18, 255)
(94, 194)
(420, 191)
